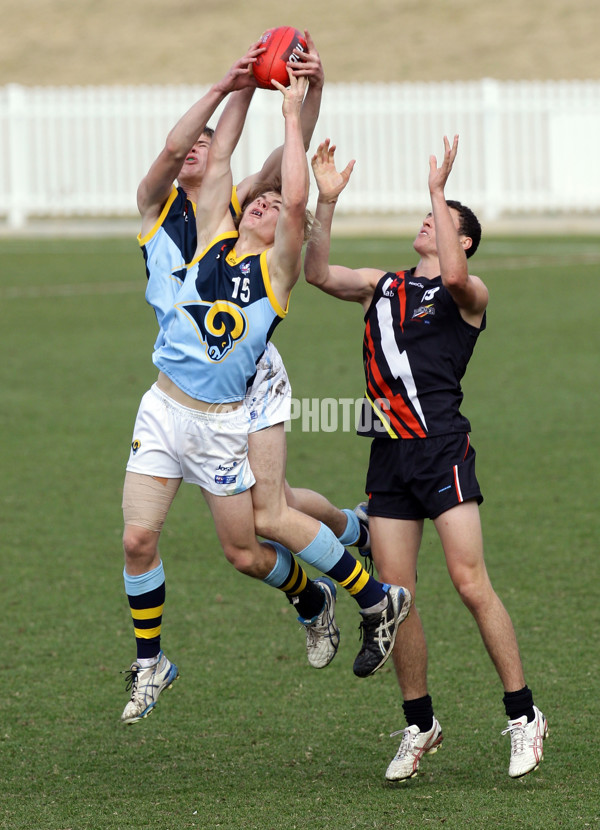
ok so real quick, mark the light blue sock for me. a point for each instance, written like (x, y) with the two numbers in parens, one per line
(352, 531)
(141, 584)
(281, 569)
(324, 552)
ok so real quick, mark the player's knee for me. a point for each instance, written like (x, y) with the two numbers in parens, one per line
(139, 545)
(268, 520)
(244, 560)
(474, 594)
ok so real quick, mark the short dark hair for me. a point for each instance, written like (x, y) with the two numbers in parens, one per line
(469, 225)
(208, 132)
(272, 186)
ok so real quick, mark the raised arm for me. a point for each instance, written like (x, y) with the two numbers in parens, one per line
(468, 292)
(285, 257)
(212, 208)
(307, 64)
(344, 283)
(155, 187)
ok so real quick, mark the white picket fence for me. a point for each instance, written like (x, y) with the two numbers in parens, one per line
(525, 147)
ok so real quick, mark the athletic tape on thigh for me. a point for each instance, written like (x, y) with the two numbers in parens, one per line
(146, 500)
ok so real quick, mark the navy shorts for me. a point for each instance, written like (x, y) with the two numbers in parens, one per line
(421, 478)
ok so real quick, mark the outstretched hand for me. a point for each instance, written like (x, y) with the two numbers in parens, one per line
(240, 75)
(308, 63)
(329, 181)
(293, 95)
(438, 176)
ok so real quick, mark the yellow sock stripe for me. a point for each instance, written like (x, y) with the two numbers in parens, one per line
(147, 633)
(359, 584)
(292, 583)
(357, 580)
(355, 572)
(303, 582)
(147, 613)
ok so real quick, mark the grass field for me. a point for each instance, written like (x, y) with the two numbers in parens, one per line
(250, 737)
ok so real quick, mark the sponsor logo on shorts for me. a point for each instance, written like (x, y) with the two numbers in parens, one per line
(225, 479)
(227, 468)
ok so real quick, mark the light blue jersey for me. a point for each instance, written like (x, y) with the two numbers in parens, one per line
(219, 323)
(168, 248)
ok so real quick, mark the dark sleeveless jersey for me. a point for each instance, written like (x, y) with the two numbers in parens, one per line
(416, 350)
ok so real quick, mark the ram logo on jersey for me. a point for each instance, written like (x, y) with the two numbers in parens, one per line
(220, 325)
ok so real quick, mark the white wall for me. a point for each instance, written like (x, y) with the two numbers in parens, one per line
(524, 146)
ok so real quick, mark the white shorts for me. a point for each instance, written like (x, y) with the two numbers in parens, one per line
(269, 398)
(204, 448)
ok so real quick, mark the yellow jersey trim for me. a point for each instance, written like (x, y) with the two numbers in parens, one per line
(227, 235)
(160, 220)
(235, 202)
(382, 417)
(281, 312)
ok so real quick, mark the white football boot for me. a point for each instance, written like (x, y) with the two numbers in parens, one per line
(145, 686)
(526, 743)
(413, 746)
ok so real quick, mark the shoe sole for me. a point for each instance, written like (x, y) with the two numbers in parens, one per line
(404, 611)
(150, 709)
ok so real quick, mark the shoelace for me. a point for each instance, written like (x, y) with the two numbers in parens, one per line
(406, 744)
(517, 737)
(318, 629)
(131, 681)
(374, 623)
(367, 626)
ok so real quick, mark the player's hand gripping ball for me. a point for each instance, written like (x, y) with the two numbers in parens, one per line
(279, 44)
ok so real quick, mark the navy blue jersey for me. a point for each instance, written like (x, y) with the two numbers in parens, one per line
(416, 349)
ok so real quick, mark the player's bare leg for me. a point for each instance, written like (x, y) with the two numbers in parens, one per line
(460, 533)
(267, 452)
(383, 608)
(317, 506)
(146, 502)
(395, 547)
(233, 517)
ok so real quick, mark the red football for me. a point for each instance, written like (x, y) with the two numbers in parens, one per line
(280, 43)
